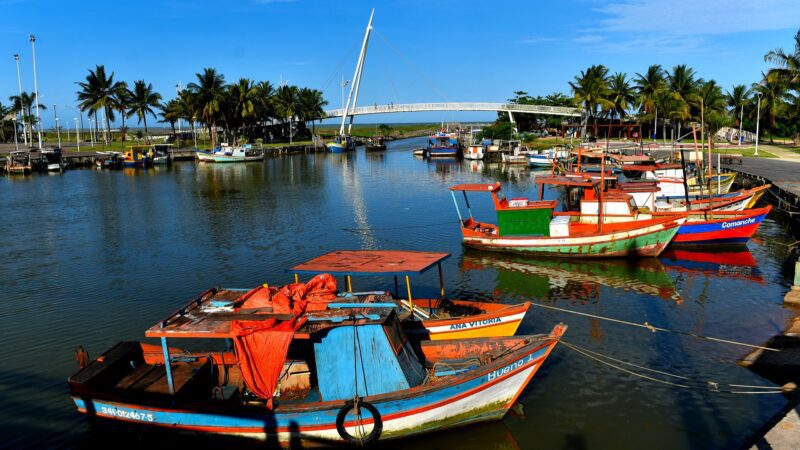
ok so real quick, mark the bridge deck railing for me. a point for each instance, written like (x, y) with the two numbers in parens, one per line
(459, 106)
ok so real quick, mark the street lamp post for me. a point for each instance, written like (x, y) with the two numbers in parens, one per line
(21, 106)
(194, 131)
(58, 129)
(36, 91)
(758, 121)
(77, 135)
(16, 143)
(741, 117)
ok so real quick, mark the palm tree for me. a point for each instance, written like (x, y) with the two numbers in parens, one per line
(670, 108)
(143, 100)
(737, 98)
(244, 97)
(311, 106)
(590, 89)
(648, 87)
(97, 94)
(210, 92)
(121, 98)
(186, 107)
(620, 95)
(170, 113)
(683, 85)
(25, 104)
(774, 93)
(788, 68)
(286, 104)
(264, 107)
(712, 104)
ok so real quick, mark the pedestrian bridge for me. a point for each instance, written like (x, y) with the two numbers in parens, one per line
(510, 108)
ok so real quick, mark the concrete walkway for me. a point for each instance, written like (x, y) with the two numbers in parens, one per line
(785, 435)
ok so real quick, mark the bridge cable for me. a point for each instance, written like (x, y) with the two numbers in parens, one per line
(416, 69)
(389, 77)
(338, 69)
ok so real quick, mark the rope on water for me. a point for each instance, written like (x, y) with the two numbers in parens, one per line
(712, 386)
(656, 329)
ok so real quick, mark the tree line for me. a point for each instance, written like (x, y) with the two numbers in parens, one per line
(669, 99)
(245, 110)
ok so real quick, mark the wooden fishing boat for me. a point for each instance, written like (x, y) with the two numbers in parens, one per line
(442, 145)
(52, 160)
(109, 160)
(702, 226)
(720, 227)
(137, 156)
(18, 162)
(545, 158)
(346, 376)
(440, 318)
(340, 145)
(375, 145)
(474, 152)
(204, 155)
(534, 227)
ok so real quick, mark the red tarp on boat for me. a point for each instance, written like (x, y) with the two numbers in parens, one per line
(295, 298)
(261, 347)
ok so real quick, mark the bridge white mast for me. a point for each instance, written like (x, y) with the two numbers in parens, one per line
(357, 77)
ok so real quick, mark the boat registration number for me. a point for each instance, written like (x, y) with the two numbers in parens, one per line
(126, 414)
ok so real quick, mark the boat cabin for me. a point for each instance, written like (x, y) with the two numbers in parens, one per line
(138, 155)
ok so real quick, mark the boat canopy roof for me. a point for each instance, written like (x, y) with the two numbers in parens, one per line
(649, 167)
(476, 187)
(211, 315)
(568, 181)
(371, 262)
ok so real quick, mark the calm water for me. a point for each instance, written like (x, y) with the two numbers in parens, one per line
(94, 257)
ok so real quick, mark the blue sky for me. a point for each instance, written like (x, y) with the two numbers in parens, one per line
(421, 50)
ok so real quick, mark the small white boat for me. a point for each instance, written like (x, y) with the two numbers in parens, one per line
(517, 156)
(545, 158)
(474, 152)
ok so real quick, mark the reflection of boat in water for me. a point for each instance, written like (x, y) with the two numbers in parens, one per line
(726, 262)
(541, 277)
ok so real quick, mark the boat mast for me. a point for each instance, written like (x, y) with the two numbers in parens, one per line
(356, 79)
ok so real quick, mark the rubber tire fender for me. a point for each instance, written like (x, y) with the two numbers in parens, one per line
(377, 426)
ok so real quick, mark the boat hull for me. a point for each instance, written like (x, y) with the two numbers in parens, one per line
(496, 321)
(204, 156)
(480, 395)
(645, 241)
(729, 229)
(336, 147)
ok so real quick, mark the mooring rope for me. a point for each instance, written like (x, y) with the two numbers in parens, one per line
(654, 328)
(712, 386)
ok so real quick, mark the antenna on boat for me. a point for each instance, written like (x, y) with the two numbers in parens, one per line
(354, 87)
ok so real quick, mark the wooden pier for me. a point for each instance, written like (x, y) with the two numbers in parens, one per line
(784, 175)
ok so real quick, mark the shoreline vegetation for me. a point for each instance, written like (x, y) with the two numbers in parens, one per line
(658, 104)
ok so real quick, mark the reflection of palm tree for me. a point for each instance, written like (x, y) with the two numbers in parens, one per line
(143, 100)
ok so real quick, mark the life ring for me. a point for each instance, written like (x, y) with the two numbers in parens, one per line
(373, 435)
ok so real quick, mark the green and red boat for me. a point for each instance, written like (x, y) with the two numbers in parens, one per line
(535, 227)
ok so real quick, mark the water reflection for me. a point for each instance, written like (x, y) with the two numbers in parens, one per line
(549, 278)
(731, 262)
